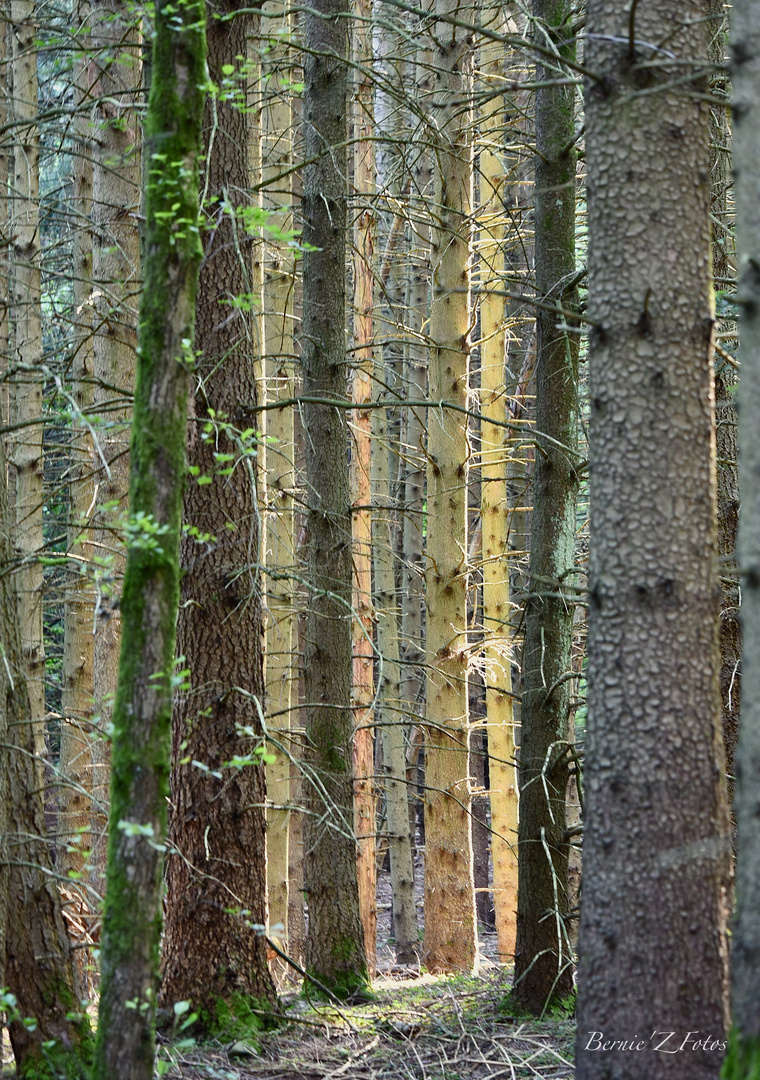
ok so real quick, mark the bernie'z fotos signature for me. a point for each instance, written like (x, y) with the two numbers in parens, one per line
(662, 1042)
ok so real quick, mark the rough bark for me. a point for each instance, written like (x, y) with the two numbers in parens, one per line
(335, 950)
(279, 557)
(656, 847)
(216, 902)
(743, 1061)
(143, 707)
(450, 932)
(543, 961)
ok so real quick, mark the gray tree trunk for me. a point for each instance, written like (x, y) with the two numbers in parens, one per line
(656, 848)
(743, 1060)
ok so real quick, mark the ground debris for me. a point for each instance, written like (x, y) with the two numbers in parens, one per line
(426, 1028)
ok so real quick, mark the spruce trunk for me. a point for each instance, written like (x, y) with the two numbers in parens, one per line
(335, 951)
(279, 556)
(217, 880)
(116, 273)
(450, 933)
(543, 961)
(656, 846)
(495, 513)
(743, 1061)
(143, 707)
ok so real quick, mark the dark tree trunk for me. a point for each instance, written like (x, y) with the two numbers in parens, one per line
(214, 950)
(543, 961)
(334, 945)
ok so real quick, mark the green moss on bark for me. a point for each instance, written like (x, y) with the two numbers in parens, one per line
(143, 707)
(237, 1017)
(743, 1058)
(58, 1062)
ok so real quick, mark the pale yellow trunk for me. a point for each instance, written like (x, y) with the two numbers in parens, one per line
(279, 553)
(363, 677)
(450, 936)
(495, 513)
(116, 275)
(27, 453)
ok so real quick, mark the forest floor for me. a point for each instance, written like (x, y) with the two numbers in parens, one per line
(420, 1027)
(423, 1028)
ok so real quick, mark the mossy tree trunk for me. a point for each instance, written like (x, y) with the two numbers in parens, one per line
(335, 950)
(450, 931)
(214, 953)
(143, 706)
(543, 961)
(743, 1061)
(656, 841)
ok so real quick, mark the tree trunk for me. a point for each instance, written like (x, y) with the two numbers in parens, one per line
(335, 950)
(656, 847)
(74, 804)
(143, 706)
(543, 961)
(450, 933)
(116, 273)
(27, 453)
(495, 512)
(726, 379)
(39, 969)
(361, 496)
(743, 1061)
(279, 557)
(216, 902)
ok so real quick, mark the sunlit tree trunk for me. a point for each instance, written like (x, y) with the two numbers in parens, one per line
(653, 943)
(494, 510)
(281, 632)
(450, 937)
